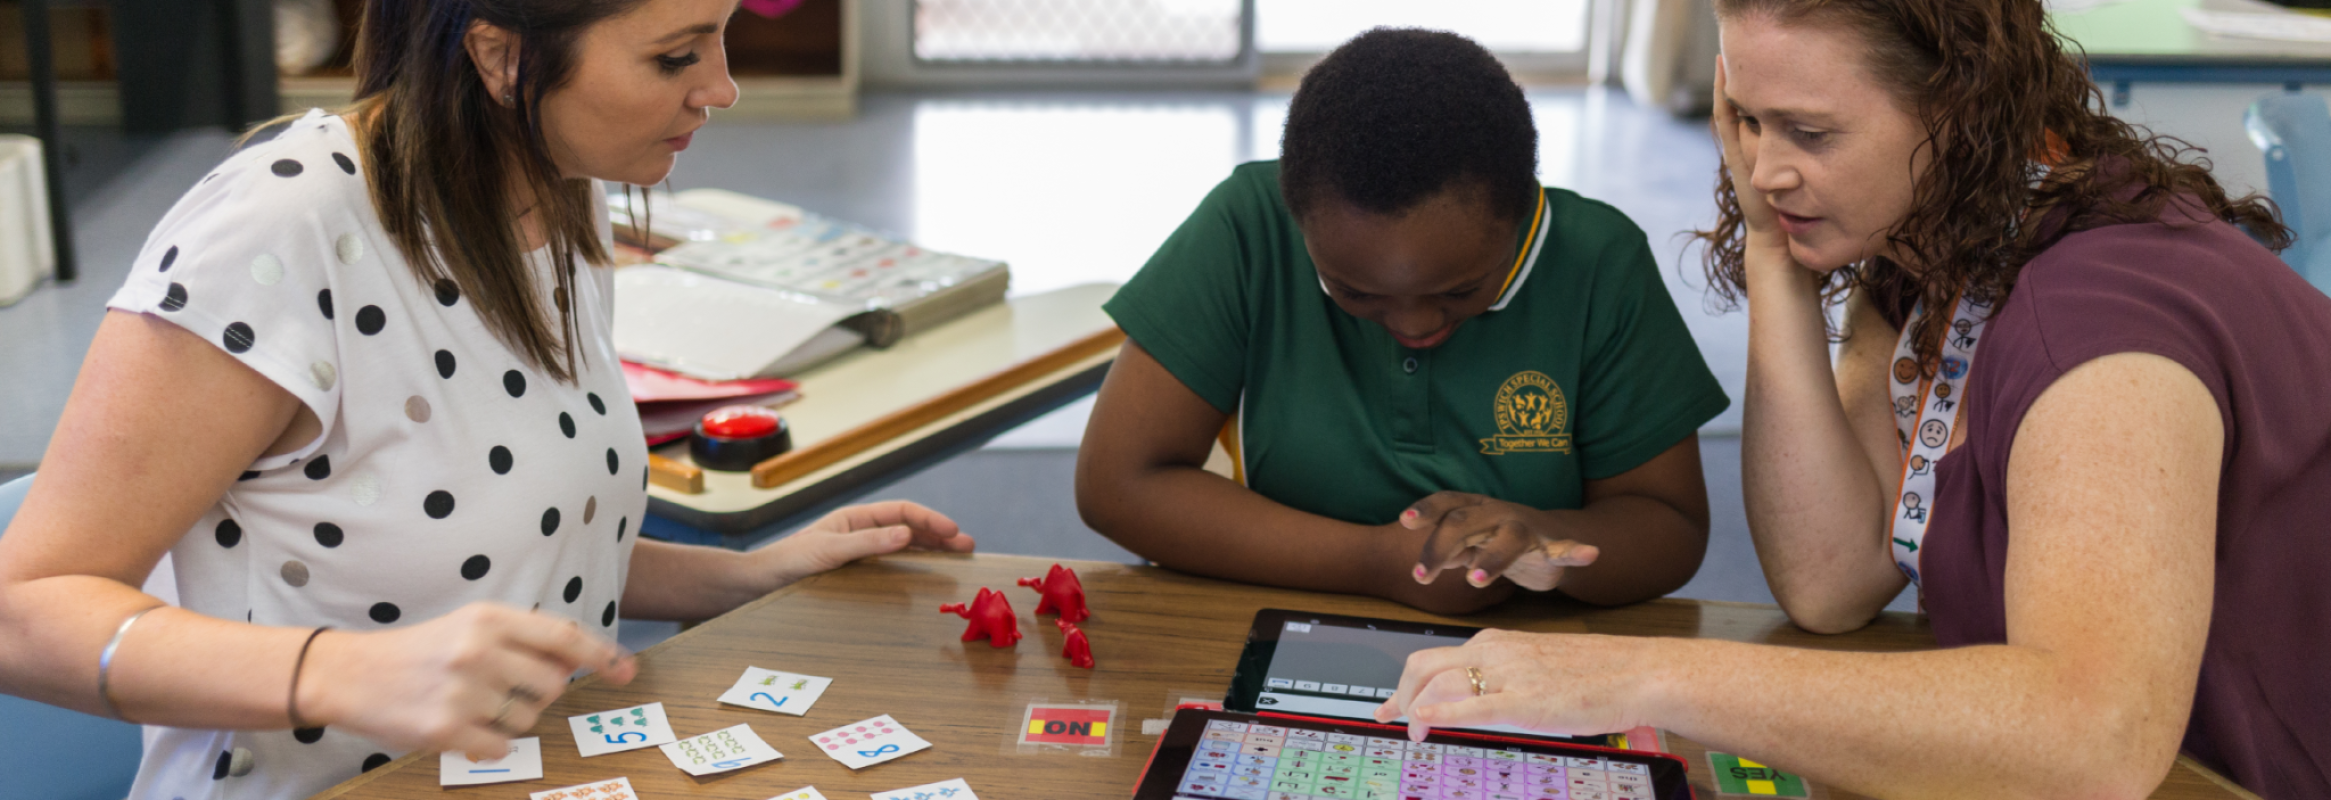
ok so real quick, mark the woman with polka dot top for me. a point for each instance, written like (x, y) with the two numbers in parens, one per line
(360, 387)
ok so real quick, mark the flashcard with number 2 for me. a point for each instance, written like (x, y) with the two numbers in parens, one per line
(782, 692)
(622, 729)
(866, 743)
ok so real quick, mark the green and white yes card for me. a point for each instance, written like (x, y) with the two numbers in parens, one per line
(622, 729)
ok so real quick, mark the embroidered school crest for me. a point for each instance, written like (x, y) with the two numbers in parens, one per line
(1531, 417)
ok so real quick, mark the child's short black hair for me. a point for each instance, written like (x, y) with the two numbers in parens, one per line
(1397, 115)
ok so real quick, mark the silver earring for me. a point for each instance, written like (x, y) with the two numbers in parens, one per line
(509, 97)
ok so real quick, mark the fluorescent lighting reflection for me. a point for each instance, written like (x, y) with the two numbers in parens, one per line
(1067, 193)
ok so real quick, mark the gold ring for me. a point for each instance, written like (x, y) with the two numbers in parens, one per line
(1479, 688)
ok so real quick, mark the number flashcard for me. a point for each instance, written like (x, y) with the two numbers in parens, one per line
(622, 729)
(803, 793)
(944, 790)
(859, 745)
(782, 692)
(720, 751)
(524, 763)
(611, 789)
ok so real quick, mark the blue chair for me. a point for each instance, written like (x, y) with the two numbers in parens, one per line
(48, 752)
(2294, 131)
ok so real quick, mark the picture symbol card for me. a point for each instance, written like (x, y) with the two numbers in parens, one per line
(782, 692)
(720, 751)
(868, 742)
(524, 763)
(944, 790)
(622, 729)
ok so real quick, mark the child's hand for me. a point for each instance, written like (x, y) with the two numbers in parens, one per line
(1490, 538)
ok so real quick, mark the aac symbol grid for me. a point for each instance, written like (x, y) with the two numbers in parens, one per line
(1371, 692)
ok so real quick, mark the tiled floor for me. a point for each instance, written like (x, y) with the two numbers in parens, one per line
(1068, 187)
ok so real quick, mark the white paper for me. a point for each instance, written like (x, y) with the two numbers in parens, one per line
(782, 692)
(868, 742)
(713, 329)
(524, 763)
(735, 747)
(803, 793)
(610, 789)
(2277, 25)
(621, 729)
(944, 790)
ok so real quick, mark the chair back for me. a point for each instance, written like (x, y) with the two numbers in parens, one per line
(49, 752)
(2293, 131)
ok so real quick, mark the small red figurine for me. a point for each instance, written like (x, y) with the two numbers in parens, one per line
(1078, 650)
(1062, 594)
(991, 617)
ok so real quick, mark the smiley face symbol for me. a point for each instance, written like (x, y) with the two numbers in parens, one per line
(1905, 370)
(1934, 433)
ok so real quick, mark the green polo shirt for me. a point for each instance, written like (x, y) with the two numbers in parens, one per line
(1585, 372)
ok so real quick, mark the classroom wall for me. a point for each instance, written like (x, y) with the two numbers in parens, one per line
(2209, 116)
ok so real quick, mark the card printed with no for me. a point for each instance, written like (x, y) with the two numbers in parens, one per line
(610, 789)
(524, 763)
(803, 793)
(944, 790)
(865, 743)
(782, 692)
(720, 751)
(622, 729)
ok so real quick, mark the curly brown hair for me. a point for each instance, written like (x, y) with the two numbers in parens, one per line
(1991, 82)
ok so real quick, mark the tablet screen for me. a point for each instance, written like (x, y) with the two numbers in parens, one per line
(1327, 665)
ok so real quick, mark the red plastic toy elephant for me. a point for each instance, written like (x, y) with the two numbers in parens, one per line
(991, 618)
(1062, 594)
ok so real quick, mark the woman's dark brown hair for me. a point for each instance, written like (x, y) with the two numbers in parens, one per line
(443, 156)
(1990, 81)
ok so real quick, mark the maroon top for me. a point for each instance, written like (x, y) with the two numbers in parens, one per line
(2255, 333)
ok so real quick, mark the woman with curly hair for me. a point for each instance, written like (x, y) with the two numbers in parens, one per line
(2076, 403)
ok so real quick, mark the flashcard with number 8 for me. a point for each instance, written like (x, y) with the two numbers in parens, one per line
(868, 742)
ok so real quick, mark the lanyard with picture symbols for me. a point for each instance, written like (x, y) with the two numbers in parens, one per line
(1927, 412)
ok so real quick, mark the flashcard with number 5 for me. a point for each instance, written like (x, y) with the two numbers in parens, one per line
(782, 692)
(524, 763)
(622, 729)
(720, 751)
(869, 742)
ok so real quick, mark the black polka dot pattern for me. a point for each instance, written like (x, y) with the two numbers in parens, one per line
(319, 469)
(248, 474)
(439, 504)
(287, 168)
(607, 617)
(596, 405)
(550, 521)
(308, 735)
(444, 364)
(514, 382)
(619, 526)
(476, 567)
(385, 613)
(329, 535)
(370, 319)
(239, 338)
(324, 302)
(346, 165)
(229, 533)
(499, 459)
(448, 292)
(613, 464)
(574, 588)
(226, 760)
(169, 257)
(376, 761)
(175, 298)
(566, 424)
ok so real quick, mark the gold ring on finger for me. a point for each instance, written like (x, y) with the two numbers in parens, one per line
(524, 694)
(1479, 687)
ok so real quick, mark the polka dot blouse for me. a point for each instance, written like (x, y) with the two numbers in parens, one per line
(449, 471)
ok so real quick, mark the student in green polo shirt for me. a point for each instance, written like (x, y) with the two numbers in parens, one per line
(1419, 359)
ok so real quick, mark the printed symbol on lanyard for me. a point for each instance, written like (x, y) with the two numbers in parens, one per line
(1942, 398)
(1906, 406)
(1913, 507)
(1919, 467)
(1965, 340)
(1954, 367)
(879, 751)
(1905, 370)
(1934, 433)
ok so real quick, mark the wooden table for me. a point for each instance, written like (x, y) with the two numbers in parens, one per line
(874, 627)
(870, 415)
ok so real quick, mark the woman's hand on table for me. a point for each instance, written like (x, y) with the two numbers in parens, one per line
(1488, 538)
(466, 681)
(850, 533)
(1564, 684)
